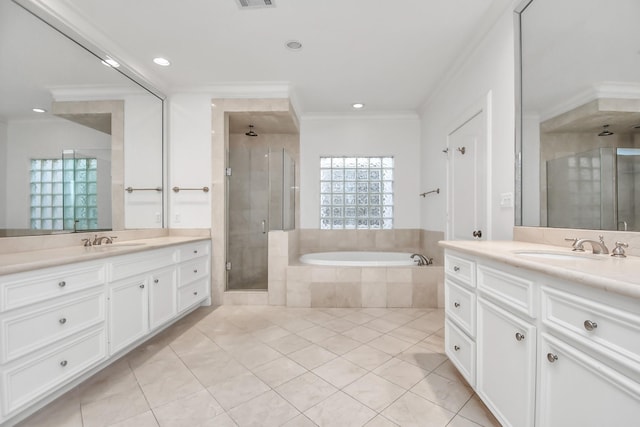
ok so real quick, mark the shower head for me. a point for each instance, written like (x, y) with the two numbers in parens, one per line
(605, 131)
(251, 132)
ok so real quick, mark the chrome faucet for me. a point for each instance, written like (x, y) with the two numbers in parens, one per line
(422, 260)
(98, 240)
(597, 247)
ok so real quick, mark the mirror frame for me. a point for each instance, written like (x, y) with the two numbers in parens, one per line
(48, 16)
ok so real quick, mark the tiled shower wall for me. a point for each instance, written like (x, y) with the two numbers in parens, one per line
(294, 284)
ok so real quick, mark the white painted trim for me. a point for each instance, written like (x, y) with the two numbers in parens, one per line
(242, 90)
(357, 115)
(93, 93)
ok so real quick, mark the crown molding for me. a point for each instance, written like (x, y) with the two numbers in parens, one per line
(359, 115)
(93, 93)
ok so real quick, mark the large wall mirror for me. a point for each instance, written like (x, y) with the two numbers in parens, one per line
(579, 129)
(80, 143)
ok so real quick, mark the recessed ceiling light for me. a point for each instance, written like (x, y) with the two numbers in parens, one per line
(39, 110)
(109, 62)
(293, 45)
(358, 105)
(162, 62)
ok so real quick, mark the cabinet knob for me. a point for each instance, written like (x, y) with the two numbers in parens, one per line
(456, 304)
(552, 357)
(519, 336)
(456, 268)
(195, 293)
(62, 321)
(62, 284)
(589, 325)
(156, 280)
(456, 348)
(63, 363)
(195, 271)
(141, 286)
(195, 252)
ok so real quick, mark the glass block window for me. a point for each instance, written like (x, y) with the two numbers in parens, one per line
(64, 191)
(356, 193)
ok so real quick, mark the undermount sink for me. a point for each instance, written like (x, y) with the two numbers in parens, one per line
(561, 256)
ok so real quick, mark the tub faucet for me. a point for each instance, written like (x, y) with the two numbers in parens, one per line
(422, 260)
(597, 247)
(98, 240)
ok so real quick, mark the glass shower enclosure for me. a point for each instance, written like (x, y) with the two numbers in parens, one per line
(597, 189)
(260, 198)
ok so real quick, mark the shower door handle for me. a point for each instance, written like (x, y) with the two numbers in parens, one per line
(264, 226)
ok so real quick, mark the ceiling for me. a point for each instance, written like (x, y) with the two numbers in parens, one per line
(389, 55)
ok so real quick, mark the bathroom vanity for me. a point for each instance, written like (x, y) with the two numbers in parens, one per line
(547, 337)
(60, 324)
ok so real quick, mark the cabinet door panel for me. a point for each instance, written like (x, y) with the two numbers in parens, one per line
(162, 297)
(576, 390)
(506, 364)
(128, 315)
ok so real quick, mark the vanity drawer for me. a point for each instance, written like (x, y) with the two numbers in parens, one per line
(460, 269)
(27, 382)
(461, 350)
(29, 330)
(513, 291)
(132, 265)
(460, 306)
(193, 250)
(192, 294)
(193, 270)
(18, 290)
(600, 326)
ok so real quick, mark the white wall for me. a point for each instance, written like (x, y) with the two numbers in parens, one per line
(398, 136)
(46, 138)
(190, 160)
(3, 174)
(489, 68)
(143, 160)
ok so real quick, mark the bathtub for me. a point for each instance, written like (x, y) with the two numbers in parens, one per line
(359, 259)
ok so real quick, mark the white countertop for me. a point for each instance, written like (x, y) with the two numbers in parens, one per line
(619, 275)
(30, 260)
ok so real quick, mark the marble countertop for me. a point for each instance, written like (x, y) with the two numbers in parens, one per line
(30, 260)
(619, 275)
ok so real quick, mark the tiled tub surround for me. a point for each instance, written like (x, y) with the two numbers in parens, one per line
(297, 285)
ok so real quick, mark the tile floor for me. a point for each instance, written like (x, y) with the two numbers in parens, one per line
(277, 366)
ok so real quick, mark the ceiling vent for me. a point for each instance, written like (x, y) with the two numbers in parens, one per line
(255, 4)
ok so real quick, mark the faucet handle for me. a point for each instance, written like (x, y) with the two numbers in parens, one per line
(618, 251)
(572, 240)
(110, 239)
(86, 242)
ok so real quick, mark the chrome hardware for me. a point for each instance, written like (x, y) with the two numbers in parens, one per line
(63, 363)
(264, 226)
(156, 280)
(519, 336)
(195, 252)
(456, 348)
(618, 251)
(589, 325)
(62, 284)
(227, 266)
(131, 189)
(86, 242)
(456, 268)
(437, 191)
(446, 151)
(624, 223)
(195, 271)
(422, 260)
(62, 321)
(456, 304)
(462, 150)
(178, 189)
(597, 247)
(195, 293)
(551, 357)
(141, 286)
(97, 241)
(477, 233)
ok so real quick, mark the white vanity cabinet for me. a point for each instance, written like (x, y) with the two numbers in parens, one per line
(548, 352)
(59, 325)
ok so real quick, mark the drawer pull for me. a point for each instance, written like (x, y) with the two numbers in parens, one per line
(63, 363)
(552, 357)
(156, 281)
(456, 304)
(456, 268)
(519, 336)
(589, 325)
(62, 284)
(195, 271)
(141, 286)
(62, 321)
(456, 348)
(195, 293)
(195, 252)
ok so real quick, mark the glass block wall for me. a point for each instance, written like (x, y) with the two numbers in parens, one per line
(64, 194)
(356, 193)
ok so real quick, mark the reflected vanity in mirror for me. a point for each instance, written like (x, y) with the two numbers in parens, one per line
(579, 130)
(75, 133)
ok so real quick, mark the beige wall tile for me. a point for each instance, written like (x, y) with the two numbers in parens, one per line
(429, 245)
(323, 294)
(374, 274)
(278, 267)
(298, 294)
(424, 295)
(374, 294)
(348, 294)
(400, 274)
(277, 292)
(298, 273)
(399, 294)
(348, 274)
(323, 274)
